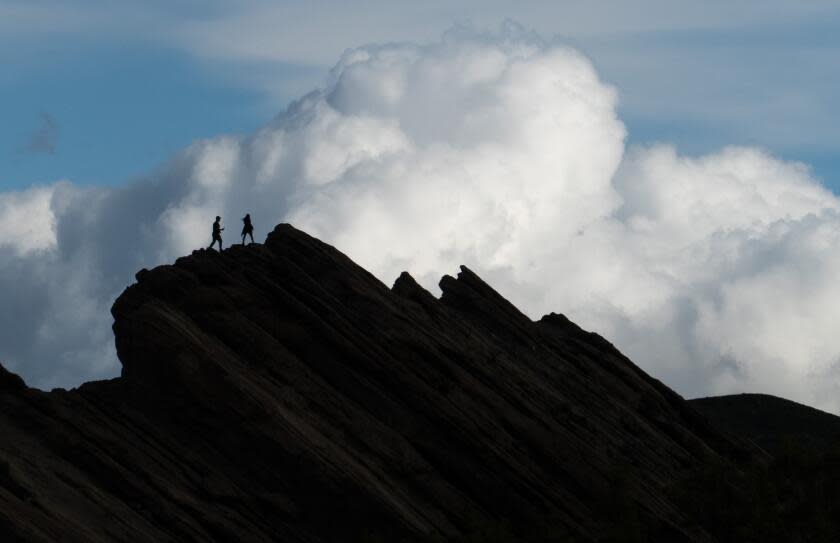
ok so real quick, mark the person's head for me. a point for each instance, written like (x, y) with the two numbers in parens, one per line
(218, 218)
(247, 215)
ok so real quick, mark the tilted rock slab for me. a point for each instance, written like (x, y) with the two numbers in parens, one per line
(279, 392)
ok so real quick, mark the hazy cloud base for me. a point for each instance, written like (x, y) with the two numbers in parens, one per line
(496, 150)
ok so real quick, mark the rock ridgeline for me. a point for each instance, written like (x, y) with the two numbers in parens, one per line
(280, 392)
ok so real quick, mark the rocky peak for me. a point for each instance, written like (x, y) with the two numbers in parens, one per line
(281, 392)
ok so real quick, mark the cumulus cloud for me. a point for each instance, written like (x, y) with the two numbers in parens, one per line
(26, 220)
(493, 149)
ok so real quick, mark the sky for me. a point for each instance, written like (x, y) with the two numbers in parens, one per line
(665, 173)
(127, 84)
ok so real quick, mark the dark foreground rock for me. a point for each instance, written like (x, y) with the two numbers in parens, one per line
(279, 392)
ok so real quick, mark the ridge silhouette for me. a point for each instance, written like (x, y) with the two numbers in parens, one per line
(285, 393)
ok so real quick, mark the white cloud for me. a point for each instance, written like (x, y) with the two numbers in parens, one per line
(495, 150)
(757, 76)
(27, 223)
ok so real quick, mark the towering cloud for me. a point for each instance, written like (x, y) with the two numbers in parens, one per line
(496, 150)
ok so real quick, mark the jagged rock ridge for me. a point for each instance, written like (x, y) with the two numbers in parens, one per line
(279, 392)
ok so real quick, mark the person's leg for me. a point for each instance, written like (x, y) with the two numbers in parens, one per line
(251, 234)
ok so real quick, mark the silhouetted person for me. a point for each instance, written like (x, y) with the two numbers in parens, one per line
(248, 228)
(217, 233)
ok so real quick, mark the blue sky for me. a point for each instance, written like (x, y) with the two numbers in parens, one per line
(117, 113)
(128, 84)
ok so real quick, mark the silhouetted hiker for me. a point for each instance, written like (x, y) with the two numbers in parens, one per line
(248, 229)
(217, 233)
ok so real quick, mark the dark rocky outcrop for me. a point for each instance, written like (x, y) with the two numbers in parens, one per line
(279, 392)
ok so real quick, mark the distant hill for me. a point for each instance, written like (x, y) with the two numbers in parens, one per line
(773, 423)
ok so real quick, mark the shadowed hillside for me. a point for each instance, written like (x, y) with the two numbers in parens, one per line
(772, 423)
(279, 392)
(793, 497)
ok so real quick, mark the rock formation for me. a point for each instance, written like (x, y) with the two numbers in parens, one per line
(280, 392)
